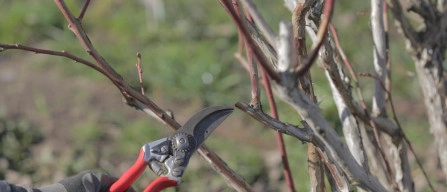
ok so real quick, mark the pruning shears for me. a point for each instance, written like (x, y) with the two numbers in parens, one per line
(168, 157)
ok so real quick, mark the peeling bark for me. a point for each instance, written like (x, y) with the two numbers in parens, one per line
(428, 46)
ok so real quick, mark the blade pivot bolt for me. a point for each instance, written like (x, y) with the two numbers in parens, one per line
(183, 142)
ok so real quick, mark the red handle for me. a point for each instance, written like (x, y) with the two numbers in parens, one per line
(160, 184)
(128, 177)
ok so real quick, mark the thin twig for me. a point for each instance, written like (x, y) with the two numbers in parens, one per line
(242, 61)
(65, 54)
(408, 30)
(279, 137)
(240, 39)
(133, 97)
(315, 164)
(379, 61)
(303, 134)
(260, 21)
(84, 9)
(349, 66)
(393, 110)
(322, 31)
(256, 103)
(253, 69)
(140, 72)
(382, 154)
(227, 4)
(340, 182)
(366, 115)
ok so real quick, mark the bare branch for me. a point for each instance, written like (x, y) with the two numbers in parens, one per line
(286, 47)
(51, 52)
(286, 50)
(351, 129)
(267, 50)
(402, 171)
(310, 112)
(84, 9)
(361, 112)
(128, 93)
(409, 31)
(256, 50)
(403, 134)
(133, 96)
(303, 134)
(369, 143)
(337, 179)
(321, 34)
(140, 72)
(315, 165)
(252, 68)
(379, 101)
(260, 21)
(380, 57)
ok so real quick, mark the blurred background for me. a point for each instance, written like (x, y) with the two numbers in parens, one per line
(58, 117)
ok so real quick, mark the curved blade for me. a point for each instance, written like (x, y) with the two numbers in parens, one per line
(204, 122)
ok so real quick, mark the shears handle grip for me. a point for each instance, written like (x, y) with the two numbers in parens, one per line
(128, 177)
(160, 184)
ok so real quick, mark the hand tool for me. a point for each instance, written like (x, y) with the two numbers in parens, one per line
(168, 157)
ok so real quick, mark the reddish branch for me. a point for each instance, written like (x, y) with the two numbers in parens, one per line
(51, 52)
(84, 9)
(279, 137)
(252, 68)
(315, 164)
(322, 31)
(260, 57)
(255, 91)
